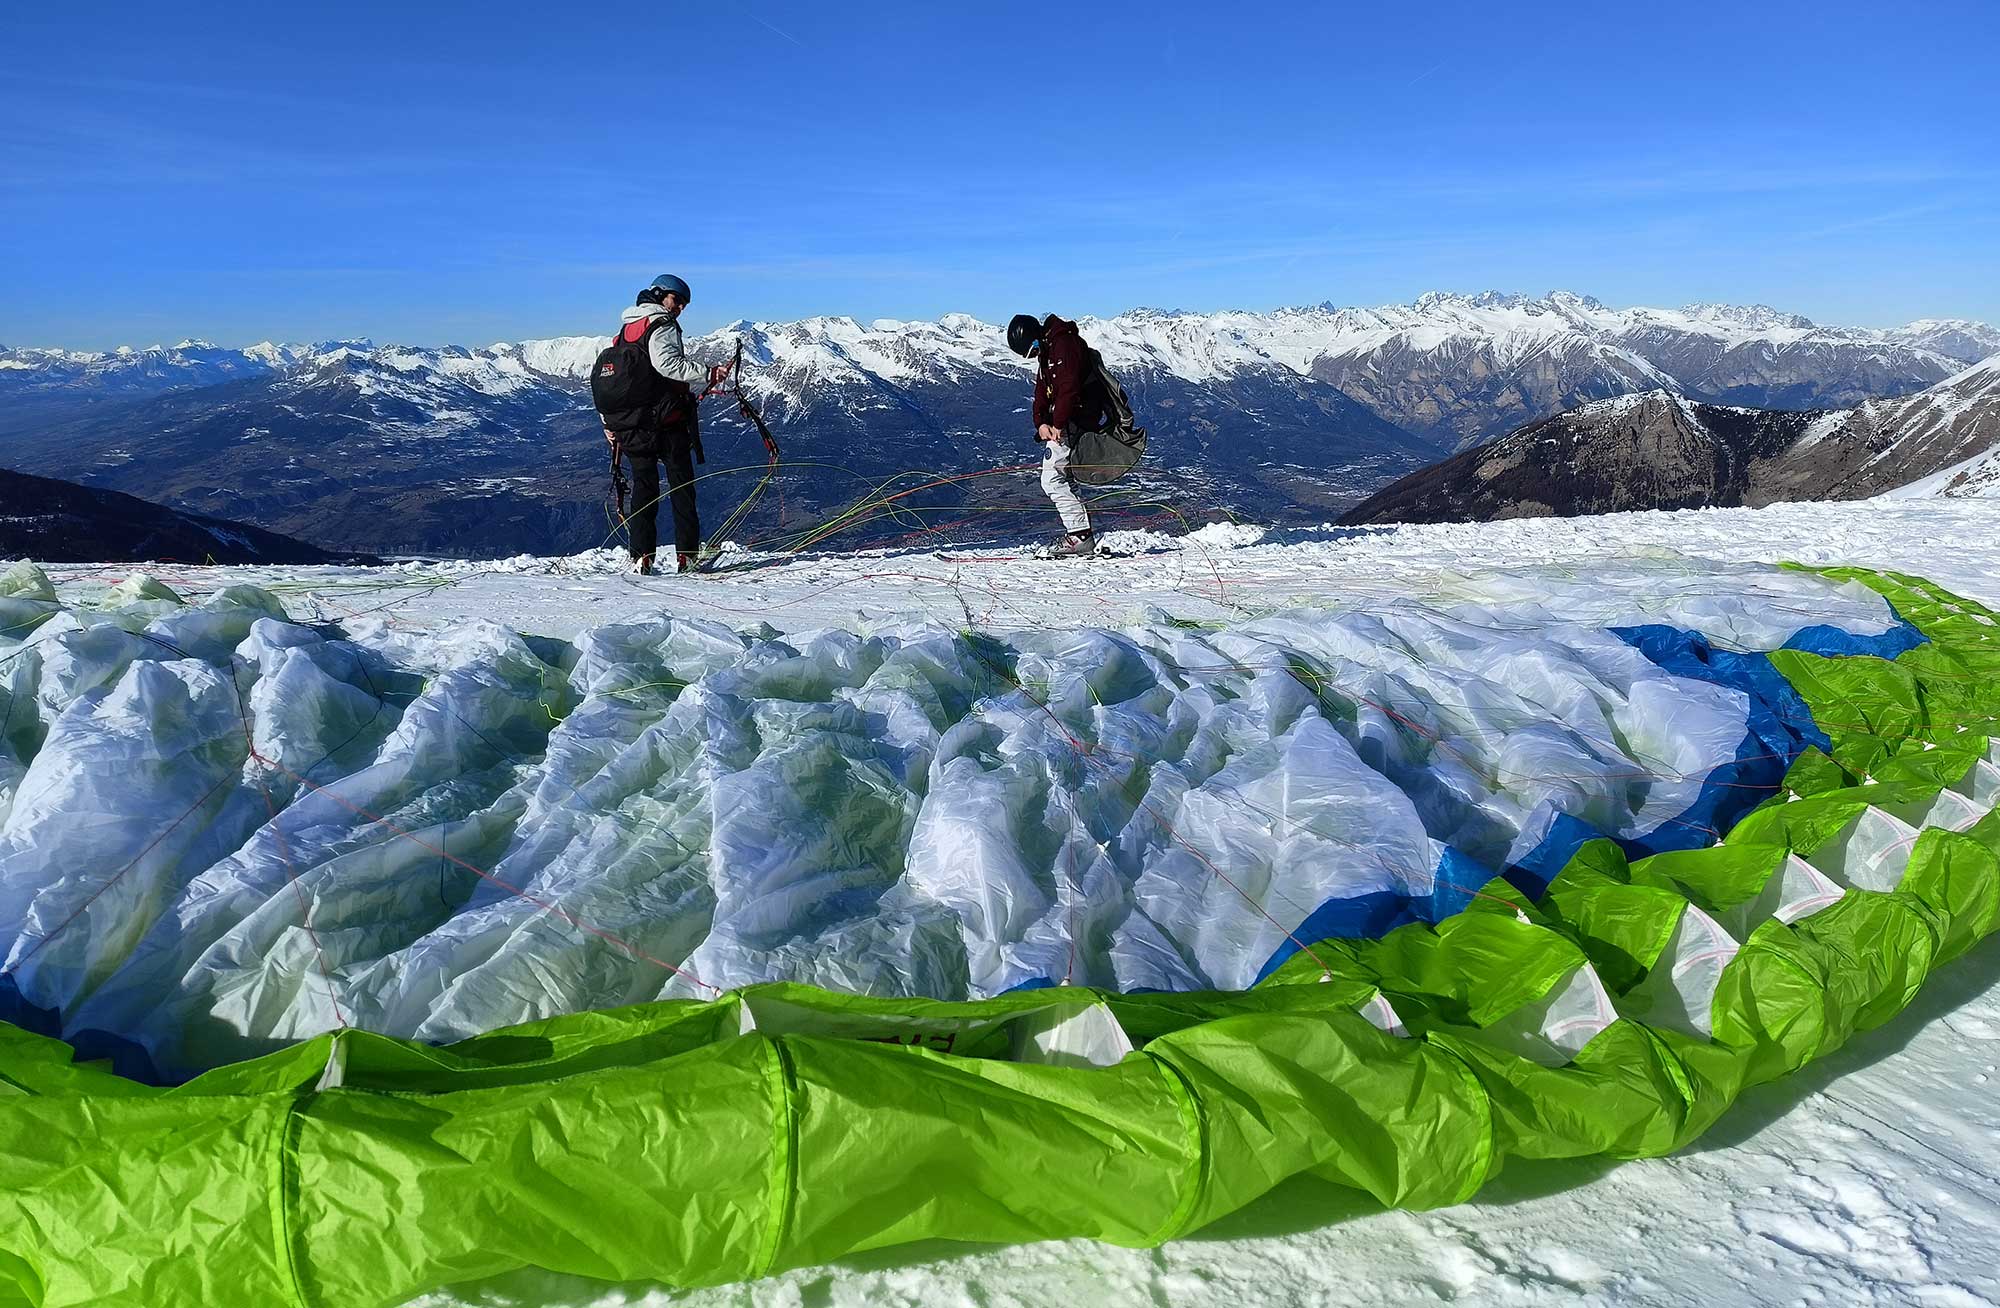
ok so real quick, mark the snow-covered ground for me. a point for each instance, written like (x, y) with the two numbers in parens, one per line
(1219, 572)
(1868, 1178)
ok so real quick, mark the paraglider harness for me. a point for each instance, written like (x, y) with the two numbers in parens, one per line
(679, 396)
(1107, 453)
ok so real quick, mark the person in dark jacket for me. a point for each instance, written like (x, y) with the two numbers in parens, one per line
(673, 436)
(1069, 400)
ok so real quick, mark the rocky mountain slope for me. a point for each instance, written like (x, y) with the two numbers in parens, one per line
(57, 522)
(1944, 441)
(1658, 450)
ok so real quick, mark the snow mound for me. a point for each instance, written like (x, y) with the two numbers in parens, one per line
(222, 829)
(1975, 478)
(1213, 536)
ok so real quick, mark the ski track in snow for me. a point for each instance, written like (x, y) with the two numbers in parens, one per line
(1870, 1177)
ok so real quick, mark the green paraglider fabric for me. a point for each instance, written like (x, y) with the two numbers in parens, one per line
(702, 1142)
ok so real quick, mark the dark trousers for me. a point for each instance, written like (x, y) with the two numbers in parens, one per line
(676, 451)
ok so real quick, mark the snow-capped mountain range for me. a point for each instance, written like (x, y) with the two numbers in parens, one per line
(1568, 342)
(1276, 415)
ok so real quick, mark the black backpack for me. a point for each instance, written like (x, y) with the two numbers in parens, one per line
(629, 394)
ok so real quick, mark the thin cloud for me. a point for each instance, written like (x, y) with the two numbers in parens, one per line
(1875, 220)
(771, 26)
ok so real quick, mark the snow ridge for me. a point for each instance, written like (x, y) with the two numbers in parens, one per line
(1195, 347)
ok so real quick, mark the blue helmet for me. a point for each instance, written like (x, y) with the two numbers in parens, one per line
(665, 284)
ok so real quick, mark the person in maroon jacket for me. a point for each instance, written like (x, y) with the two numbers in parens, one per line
(1069, 399)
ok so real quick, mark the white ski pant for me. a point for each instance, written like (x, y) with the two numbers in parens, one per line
(1061, 489)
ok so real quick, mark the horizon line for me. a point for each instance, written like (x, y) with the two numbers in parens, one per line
(876, 323)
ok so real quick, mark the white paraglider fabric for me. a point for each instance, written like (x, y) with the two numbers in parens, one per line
(225, 830)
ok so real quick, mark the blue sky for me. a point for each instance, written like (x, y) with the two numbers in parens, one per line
(469, 173)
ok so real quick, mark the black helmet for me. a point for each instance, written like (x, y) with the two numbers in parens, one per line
(1023, 334)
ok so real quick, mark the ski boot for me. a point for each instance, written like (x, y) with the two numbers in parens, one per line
(1075, 545)
(643, 565)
